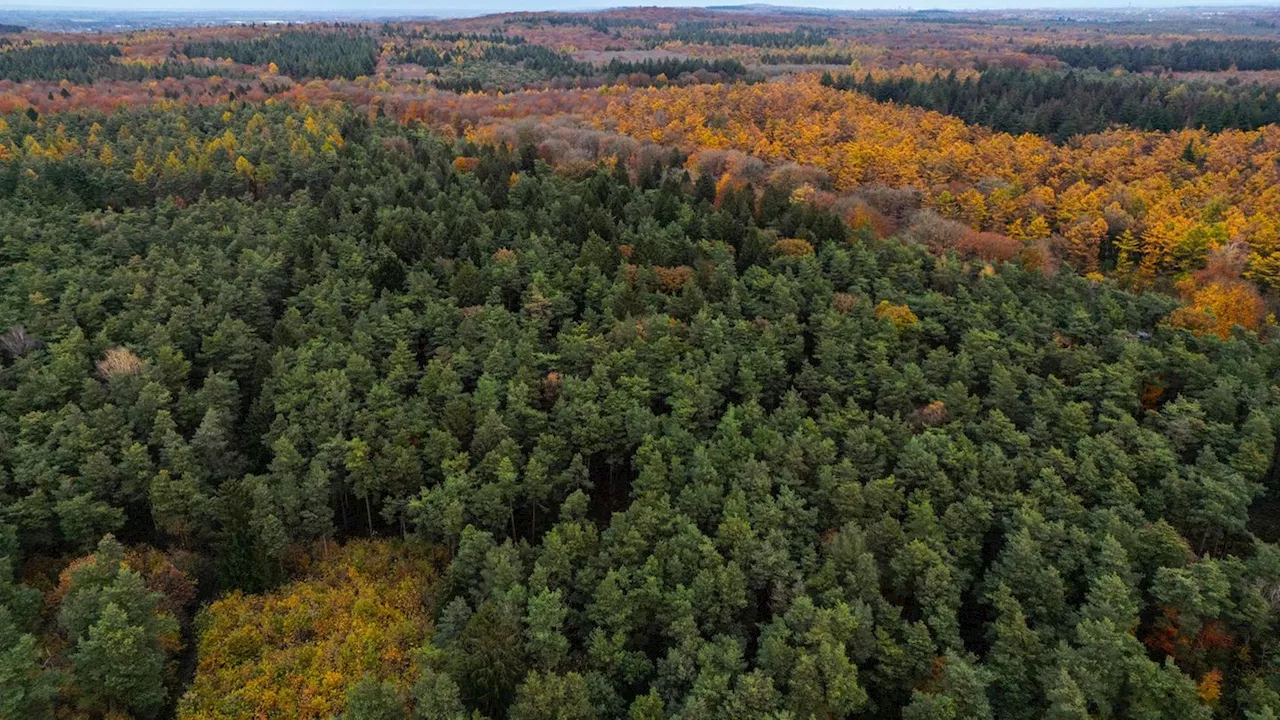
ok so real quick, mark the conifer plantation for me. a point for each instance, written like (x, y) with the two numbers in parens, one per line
(346, 384)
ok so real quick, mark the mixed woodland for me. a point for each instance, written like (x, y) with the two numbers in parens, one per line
(641, 364)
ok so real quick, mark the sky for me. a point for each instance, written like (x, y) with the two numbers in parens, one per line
(478, 7)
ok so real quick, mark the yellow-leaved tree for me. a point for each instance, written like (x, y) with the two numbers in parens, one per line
(297, 651)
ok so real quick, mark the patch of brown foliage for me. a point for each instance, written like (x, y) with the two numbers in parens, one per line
(793, 247)
(671, 279)
(119, 362)
(989, 246)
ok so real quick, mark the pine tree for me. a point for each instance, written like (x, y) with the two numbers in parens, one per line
(370, 699)
(548, 696)
(27, 690)
(1066, 702)
(119, 666)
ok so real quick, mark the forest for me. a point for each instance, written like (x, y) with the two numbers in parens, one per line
(638, 388)
(507, 63)
(300, 54)
(1200, 54)
(1061, 106)
(85, 63)
(697, 33)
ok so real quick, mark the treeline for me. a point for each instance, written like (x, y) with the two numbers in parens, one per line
(605, 25)
(536, 58)
(76, 62)
(807, 58)
(692, 449)
(1193, 55)
(1059, 105)
(706, 34)
(300, 54)
(495, 36)
(724, 69)
(83, 63)
(944, 17)
(470, 72)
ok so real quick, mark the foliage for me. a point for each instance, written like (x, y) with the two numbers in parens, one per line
(702, 33)
(1220, 307)
(671, 466)
(1101, 200)
(55, 61)
(27, 689)
(706, 400)
(802, 57)
(350, 623)
(1198, 54)
(80, 62)
(299, 54)
(120, 637)
(1063, 105)
(495, 62)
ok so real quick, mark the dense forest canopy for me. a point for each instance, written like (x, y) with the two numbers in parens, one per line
(488, 62)
(695, 33)
(1180, 56)
(725, 441)
(644, 390)
(85, 63)
(55, 61)
(1063, 105)
(299, 54)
